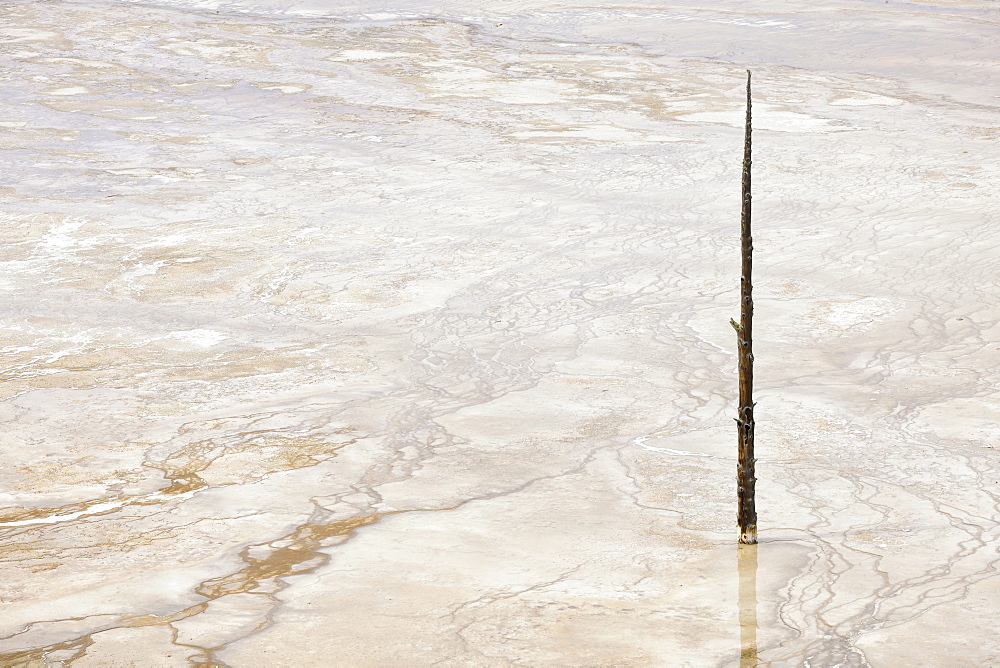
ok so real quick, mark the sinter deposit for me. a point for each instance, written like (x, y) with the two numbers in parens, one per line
(374, 333)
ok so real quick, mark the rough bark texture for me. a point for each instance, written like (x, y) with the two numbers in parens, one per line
(745, 477)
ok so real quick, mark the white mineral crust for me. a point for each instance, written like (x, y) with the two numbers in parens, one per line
(396, 333)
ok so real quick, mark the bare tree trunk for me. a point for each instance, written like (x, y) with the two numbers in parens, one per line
(746, 483)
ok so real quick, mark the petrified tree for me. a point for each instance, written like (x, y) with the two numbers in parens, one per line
(746, 517)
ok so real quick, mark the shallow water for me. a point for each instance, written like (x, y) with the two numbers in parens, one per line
(398, 335)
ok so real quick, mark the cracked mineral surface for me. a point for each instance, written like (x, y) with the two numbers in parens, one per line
(374, 333)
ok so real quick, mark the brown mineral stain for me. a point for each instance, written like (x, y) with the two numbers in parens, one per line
(297, 550)
(42, 567)
(293, 555)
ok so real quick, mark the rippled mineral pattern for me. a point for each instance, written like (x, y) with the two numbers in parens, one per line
(374, 333)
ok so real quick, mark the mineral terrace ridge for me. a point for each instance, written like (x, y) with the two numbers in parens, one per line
(397, 334)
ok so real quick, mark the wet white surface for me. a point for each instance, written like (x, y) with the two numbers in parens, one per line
(379, 334)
